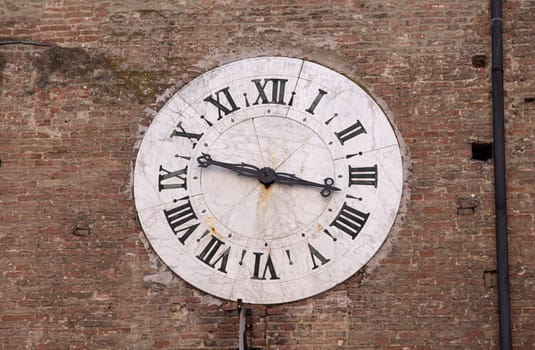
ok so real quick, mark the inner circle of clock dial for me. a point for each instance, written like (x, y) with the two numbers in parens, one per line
(246, 211)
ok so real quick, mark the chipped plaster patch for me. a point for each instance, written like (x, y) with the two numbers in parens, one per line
(210, 300)
(159, 280)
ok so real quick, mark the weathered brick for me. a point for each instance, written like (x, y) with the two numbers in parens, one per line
(71, 116)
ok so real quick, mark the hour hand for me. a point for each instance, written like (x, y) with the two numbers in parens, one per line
(267, 176)
(290, 179)
(244, 169)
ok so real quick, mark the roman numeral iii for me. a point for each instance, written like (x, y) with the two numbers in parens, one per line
(363, 176)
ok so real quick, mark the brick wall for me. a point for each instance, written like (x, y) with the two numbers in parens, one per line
(76, 270)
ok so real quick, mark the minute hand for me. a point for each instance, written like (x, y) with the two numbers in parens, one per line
(290, 179)
(244, 169)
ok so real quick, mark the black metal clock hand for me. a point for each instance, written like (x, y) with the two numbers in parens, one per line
(267, 176)
(243, 169)
(290, 179)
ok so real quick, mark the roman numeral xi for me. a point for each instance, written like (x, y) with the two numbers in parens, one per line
(223, 101)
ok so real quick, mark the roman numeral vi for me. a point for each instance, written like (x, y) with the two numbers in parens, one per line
(267, 267)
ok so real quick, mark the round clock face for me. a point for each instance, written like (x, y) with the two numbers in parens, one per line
(268, 180)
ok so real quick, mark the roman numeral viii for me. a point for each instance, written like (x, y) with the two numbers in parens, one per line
(363, 176)
(182, 219)
(350, 220)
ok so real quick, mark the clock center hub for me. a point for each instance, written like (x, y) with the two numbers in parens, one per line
(266, 176)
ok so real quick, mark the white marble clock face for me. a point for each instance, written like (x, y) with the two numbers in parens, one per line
(300, 182)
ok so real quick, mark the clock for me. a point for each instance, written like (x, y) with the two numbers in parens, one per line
(268, 180)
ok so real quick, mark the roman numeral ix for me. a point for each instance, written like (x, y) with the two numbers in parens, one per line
(178, 179)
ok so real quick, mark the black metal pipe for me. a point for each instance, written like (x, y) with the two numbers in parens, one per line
(498, 115)
(25, 42)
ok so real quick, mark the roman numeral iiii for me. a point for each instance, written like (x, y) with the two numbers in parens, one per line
(350, 220)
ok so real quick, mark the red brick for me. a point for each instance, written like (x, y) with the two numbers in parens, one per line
(68, 134)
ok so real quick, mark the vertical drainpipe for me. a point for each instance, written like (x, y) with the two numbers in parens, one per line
(504, 307)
